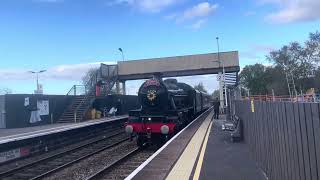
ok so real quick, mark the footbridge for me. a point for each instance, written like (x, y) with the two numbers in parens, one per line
(199, 64)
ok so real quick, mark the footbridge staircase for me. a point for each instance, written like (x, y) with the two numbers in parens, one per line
(83, 96)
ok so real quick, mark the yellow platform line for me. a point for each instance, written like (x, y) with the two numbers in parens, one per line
(203, 150)
(185, 164)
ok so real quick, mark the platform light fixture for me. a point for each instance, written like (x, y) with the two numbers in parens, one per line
(37, 75)
(120, 49)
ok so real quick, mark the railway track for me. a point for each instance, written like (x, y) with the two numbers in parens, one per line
(44, 150)
(122, 167)
(44, 167)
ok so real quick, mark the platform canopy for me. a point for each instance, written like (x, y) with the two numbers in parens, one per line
(199, 64)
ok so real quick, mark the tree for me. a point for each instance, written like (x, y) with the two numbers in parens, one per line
(317, 80)
(200, 87)
(216, 94)
(253, 78)
(5, 91)
(313, 48)
(90, 78)
(300, 61)
(275, 80)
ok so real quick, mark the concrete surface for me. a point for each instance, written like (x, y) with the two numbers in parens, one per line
(224, 160)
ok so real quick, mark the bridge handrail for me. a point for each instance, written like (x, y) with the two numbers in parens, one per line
(77, 90)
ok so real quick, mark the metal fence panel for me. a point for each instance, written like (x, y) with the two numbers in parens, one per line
(311, 143)
(316, 130)
(274, 171)
(284, 137)
(299, 141)
(294, 163)
(303, 128)
(267, 146)
(281, 147)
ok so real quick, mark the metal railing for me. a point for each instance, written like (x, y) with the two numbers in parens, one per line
(86, 101)
(77, 90)
(299, 98)
(109, 75)
(88, 90)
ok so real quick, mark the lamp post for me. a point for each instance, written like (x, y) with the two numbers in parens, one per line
(123, 83)
(120, 49)
(223, 74)
(37, 73)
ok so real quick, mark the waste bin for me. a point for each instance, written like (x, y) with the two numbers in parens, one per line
(98, 114)
(93, 114)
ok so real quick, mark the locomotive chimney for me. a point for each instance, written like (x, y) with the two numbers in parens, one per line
(157, 76)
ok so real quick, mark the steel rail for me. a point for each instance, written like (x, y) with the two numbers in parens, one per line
(77, 160)
(100, 173)
(12, 171)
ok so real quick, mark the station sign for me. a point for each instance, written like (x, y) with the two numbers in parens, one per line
(219, 77)
(14, 154)
(43, 106)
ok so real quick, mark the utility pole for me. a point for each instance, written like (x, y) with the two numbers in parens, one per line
(120, 49)
(37, 75)
(123, 83)
(222, 80)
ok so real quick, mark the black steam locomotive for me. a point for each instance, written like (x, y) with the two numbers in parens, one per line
(166, 107)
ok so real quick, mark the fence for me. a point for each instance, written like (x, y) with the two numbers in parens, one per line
(299, 98)
(2, 112)
(284, 137)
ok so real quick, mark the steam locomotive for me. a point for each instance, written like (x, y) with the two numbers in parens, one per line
(166, 107)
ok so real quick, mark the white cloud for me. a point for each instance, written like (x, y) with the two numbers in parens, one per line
(73, 72)
(248, 55)
(250, 13)
(257, 51)
(200, 10)
(294, 11)
(209, 81)
(132, 87)
(171, 16)
(147, 5)
(60, 72)
(262, 48)
(198, 14)
(198, 24)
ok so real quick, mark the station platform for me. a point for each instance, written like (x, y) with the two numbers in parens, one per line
(17, 134)
(201, 151)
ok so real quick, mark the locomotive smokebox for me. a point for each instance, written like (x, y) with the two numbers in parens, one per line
(153, 95)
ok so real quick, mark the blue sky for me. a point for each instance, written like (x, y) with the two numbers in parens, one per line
(67, 37)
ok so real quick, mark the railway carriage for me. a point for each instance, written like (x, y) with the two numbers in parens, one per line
(166, 107)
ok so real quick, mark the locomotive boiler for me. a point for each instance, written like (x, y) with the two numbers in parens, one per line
(166, 107)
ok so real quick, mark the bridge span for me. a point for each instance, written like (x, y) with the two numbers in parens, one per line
(199, 64)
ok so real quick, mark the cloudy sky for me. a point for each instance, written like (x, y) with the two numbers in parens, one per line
(67, 37)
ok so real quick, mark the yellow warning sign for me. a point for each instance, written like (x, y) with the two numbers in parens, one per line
(252, 106)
